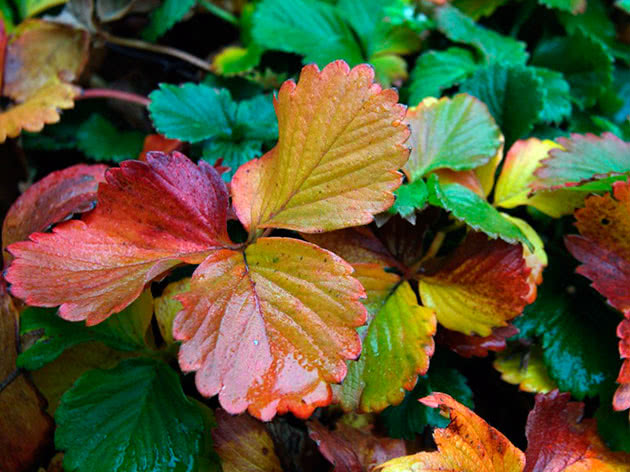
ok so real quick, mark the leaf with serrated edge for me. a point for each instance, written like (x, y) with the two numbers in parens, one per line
(559, 439)
(517, 176)
(451, 133)
(269, 328)
(151, 216)
(482, 285)
(583, 158)
(335, 165)
(602, 247)
(468, 444)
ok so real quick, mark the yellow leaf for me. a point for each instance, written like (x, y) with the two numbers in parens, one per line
(336, 162)
(526, 370)
(167, 307)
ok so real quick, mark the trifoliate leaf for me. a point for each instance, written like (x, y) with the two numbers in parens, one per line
(451, 133)
(438, 70)
(481, 285)
(468, 444)
(98, 139)
(514, 95)
(164, 17)
(125, 331)
(584, 62)
(411, 417)
(133, 418)
(557, 102)
(340, 141)
(493, 46)
(467, 206)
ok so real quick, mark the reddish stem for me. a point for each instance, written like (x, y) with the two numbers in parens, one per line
(116, 94)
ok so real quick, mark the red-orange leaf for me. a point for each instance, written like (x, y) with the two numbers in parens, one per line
(50, 200)
(559, 440)
(157, 142)
(354, 450)
(469, 444)
(270, 328)
(603, 247)
(150, 217)
(335, 165)
(481, 286)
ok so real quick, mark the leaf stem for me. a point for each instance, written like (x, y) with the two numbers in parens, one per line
(116, 94)
(220, 12)
(435, 246)
(157, 48)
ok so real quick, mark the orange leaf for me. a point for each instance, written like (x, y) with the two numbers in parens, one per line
(150, 217)
(157, 142)
(559, 440)
(269, 328)
(354, 450)
(243, 444)
(335, 165)
(469, 444)
(603, 248)
(50, 200)
(481, 286)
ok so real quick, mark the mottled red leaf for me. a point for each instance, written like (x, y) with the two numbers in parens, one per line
(560, 440)
(270, 328)
(150, 217)
(354, 450)
(51, 200)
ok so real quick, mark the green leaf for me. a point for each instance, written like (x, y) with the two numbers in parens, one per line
(451, 133)
(234, 131)
(493, 46)
(409, 198)
(308, 27)
(557, 96)
(571, 6)
(133, 418)
(478, 8)
(411, 417)
(438, 70)
(624, 5)
(583, 60)
(98, 139)
(576, 331)
(124, 331)
(467, 206)
(514, 95)
(164, 17)
(612, 425)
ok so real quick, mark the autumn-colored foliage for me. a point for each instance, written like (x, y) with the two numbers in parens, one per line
(315, 235)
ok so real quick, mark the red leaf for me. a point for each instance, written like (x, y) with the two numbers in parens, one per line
(50, 200)
(157, 142)
(354, 450)
(150, 217)
(476, 346)
(559, 440)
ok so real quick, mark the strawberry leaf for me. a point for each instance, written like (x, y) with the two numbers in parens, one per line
(164, 17)
(467, 206)
(582, 159)
(98, 139)
(525, 369)
(150, 217)
(514, 94)
(412, 417)
(456, 134)
(438, 70)
(288, 304)
(557, 102)
(482, 285)
(134, 417)
(335, 164)
(468, 444)
(124, 331)
(409, 198)
(559, 439)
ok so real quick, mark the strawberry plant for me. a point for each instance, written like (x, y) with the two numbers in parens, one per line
(388, 235)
